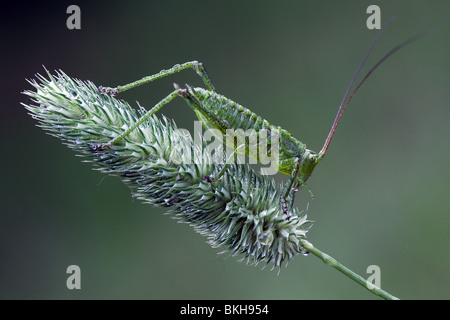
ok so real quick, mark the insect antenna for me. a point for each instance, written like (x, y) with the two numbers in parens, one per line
(344, 104)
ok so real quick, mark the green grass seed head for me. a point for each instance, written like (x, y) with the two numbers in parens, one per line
(240, 212)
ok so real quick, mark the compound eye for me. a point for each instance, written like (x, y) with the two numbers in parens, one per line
(312, 157)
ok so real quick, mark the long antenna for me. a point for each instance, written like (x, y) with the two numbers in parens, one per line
(342, 107)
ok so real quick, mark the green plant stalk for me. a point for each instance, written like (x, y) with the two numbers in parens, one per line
(241, 211)
(346, 271)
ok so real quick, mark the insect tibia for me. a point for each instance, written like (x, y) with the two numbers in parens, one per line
(197, 66)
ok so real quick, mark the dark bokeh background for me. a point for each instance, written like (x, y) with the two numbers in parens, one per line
(382, 192)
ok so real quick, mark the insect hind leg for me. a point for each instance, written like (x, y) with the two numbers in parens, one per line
(197, 66)
(148, 114)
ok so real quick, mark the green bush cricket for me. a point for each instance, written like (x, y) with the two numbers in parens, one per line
(218, 112)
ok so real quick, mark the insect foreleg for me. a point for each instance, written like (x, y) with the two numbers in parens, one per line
(197, 66)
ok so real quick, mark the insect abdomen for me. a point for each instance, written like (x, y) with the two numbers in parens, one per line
(225, 114)
(231, 114)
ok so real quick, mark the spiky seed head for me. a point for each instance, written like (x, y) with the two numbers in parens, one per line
(240, 212)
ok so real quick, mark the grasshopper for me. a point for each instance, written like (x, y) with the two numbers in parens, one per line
(219, 112)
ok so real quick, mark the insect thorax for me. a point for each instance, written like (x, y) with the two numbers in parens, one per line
(291, 150)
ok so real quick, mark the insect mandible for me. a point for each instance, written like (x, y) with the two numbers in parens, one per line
(221, 113)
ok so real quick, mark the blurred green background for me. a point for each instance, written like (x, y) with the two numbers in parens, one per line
(382, 192)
